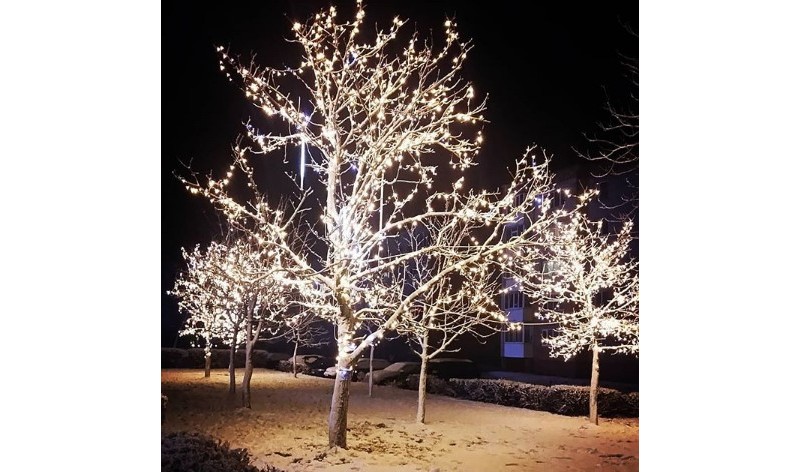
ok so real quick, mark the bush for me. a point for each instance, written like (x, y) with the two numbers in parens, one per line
(434, 385)
(194, 358)
(183, 451)
(561, 399)
(264, 360)
(286, 366)
(172, 358)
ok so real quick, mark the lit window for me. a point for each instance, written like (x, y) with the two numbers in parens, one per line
(513, 336)
(513, 299)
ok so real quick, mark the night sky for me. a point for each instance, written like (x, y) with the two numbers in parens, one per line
(547, 74)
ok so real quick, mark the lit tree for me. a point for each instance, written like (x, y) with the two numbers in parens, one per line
(197, 301)
(589, 285)
(461, 303)
(206, 300)
(231, 316)
(256, 273)
(383, 116)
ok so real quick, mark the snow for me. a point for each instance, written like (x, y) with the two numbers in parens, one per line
(287, 428)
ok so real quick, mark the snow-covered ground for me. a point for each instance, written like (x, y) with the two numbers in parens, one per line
(287, 428)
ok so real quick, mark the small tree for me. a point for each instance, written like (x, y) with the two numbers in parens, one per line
(460, 304)
(589, 285)
(207, 300)
(231, 316)
(255, 272)
(195, 291)
(304, 329)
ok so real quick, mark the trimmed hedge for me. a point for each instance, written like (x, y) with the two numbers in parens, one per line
(194, 358)
(561, 399)
(172, 358)
(182, 451)
(286, 366)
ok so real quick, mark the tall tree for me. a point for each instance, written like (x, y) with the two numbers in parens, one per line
(383, 116)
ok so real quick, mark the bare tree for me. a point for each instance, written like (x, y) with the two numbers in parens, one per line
(303, 329)
(383, 116)
(617, 144)
(589, 286)
(615, 147)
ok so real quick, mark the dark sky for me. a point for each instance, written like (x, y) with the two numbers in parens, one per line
(547, 73)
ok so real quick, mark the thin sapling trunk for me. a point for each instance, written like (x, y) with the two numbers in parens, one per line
(593, 416)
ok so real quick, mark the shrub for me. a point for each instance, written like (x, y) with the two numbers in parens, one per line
(263, 359)
(286, 366)
(172, 358)
(184, 451)
(433, 385)
(194, 358)
(561, 399)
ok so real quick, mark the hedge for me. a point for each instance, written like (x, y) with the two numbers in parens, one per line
(561, 399)
(286, 366)
(194, 358)
(182, 451)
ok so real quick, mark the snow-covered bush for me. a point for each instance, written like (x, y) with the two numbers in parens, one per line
(561, 399)
(194, 358)
(184, 451)
(286, 366)
(172, 358)
(433, 385)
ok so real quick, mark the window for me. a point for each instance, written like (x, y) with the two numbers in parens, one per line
(513, 299)
(518, 198)
(522, 335)
(514, 231)
(550, 269)
(513, 336)
(557, 199)
(549, 333)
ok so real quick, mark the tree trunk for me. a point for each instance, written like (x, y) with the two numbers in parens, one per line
(248, 374)
(371, 351)
(294, 359)
(593, 416)
(423, 381)
(337, 422)
(250, 338)
(208, 362)
(232, 366)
